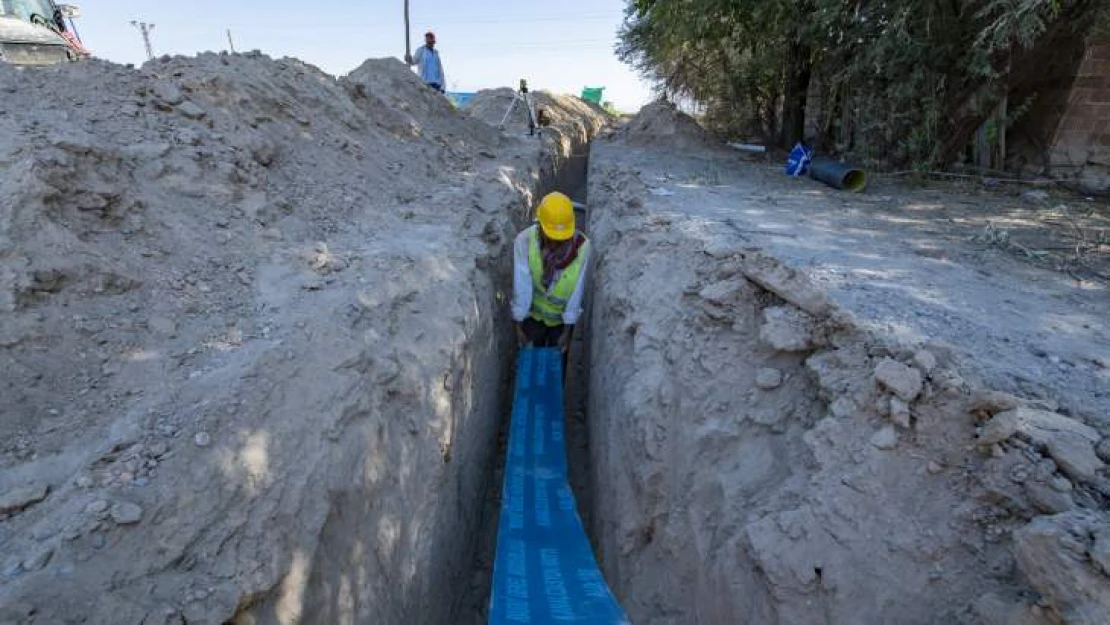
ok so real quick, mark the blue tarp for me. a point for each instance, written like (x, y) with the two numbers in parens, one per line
(545, 571)
(460, 98)
(797, 164)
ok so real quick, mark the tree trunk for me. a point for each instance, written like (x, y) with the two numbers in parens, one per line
(834, 112)
(799, 70)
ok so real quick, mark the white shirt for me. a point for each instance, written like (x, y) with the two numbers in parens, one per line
(522, 283)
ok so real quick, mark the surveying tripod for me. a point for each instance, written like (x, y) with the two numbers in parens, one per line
(524, 97)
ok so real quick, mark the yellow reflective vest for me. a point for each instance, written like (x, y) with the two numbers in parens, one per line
(548, 305)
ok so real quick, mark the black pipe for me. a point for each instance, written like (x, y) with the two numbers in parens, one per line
(837, 175)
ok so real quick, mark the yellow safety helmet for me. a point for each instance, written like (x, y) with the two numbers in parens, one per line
(556, 213)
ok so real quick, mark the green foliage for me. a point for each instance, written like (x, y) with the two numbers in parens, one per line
(890, 82)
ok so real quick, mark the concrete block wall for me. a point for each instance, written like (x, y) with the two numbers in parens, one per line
(1081, 145)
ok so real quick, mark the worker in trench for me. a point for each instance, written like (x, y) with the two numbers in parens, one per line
(549, 273)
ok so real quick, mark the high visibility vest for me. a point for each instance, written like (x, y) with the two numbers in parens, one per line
(548, 305)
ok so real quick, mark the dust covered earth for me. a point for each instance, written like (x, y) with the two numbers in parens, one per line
(253, 339)
(812, 407)
(256, 351)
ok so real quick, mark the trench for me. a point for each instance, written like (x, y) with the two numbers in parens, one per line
(570, 177)
(429, 559)
(744, 461)
(684, 452)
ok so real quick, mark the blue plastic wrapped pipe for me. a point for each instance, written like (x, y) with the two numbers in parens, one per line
(544, 571)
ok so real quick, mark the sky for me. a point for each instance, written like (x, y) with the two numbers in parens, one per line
(559, 46)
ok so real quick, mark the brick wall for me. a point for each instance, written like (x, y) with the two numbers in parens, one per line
(1080, 147)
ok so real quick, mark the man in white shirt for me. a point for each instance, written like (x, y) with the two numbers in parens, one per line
(549, 273)
(428, 63)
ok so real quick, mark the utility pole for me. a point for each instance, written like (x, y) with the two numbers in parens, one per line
(408, 45)
(145, 29)
(230, 43)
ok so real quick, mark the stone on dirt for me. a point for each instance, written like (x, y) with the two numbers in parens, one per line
(925, 360)
(21, 497)
(191, 110)
(1052, 553)
(992, 402)
(886, 438)
(1100, 552)
(900, 413)
(787, 329)
(1047, 499)
(788, 283)
(167, 92)
(126, 513)
(902, 380)
(1103, 450)
(992, 609)
(768, 379)
(38, 560)
(1069, 442)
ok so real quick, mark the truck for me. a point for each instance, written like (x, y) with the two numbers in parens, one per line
(34, 32)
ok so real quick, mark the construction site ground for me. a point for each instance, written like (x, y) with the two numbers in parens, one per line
(1012, 278)
(800, 399)
(256, 354)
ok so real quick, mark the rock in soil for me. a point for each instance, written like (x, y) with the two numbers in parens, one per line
(1103, 450)
(768, 379)
(900, 413)
(22, 497)
(1069, 442)
(787, 329)
(925, 360)
(902, 380)
(1052, 553)
(126, 513)
(1047, 499)
(886, 438)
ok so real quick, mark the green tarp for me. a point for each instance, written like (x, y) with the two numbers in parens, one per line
(593, 94)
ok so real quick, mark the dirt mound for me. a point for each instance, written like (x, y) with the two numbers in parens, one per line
(841, 473)
(661, 124)
(490, 106)
(412, 106)
(251, 368)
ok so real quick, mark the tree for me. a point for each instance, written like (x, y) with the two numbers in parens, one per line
(895, 83)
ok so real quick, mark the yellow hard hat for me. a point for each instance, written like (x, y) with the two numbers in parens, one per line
(556, 213)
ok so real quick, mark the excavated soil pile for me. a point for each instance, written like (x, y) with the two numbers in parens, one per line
(252, 335)
(585, 118)
(761, 457)
(661, 124)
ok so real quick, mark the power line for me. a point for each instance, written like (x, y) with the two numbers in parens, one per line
(530, 46)
(496, 19)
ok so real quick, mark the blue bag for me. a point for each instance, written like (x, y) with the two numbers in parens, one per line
(797, 164)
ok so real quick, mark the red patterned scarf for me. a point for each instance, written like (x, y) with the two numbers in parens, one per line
(557, 256)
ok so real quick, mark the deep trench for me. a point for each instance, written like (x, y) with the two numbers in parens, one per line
(569, 178)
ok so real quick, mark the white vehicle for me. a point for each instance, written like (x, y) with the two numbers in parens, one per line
(34, 32)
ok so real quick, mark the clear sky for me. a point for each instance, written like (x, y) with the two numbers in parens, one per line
(560, 45)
